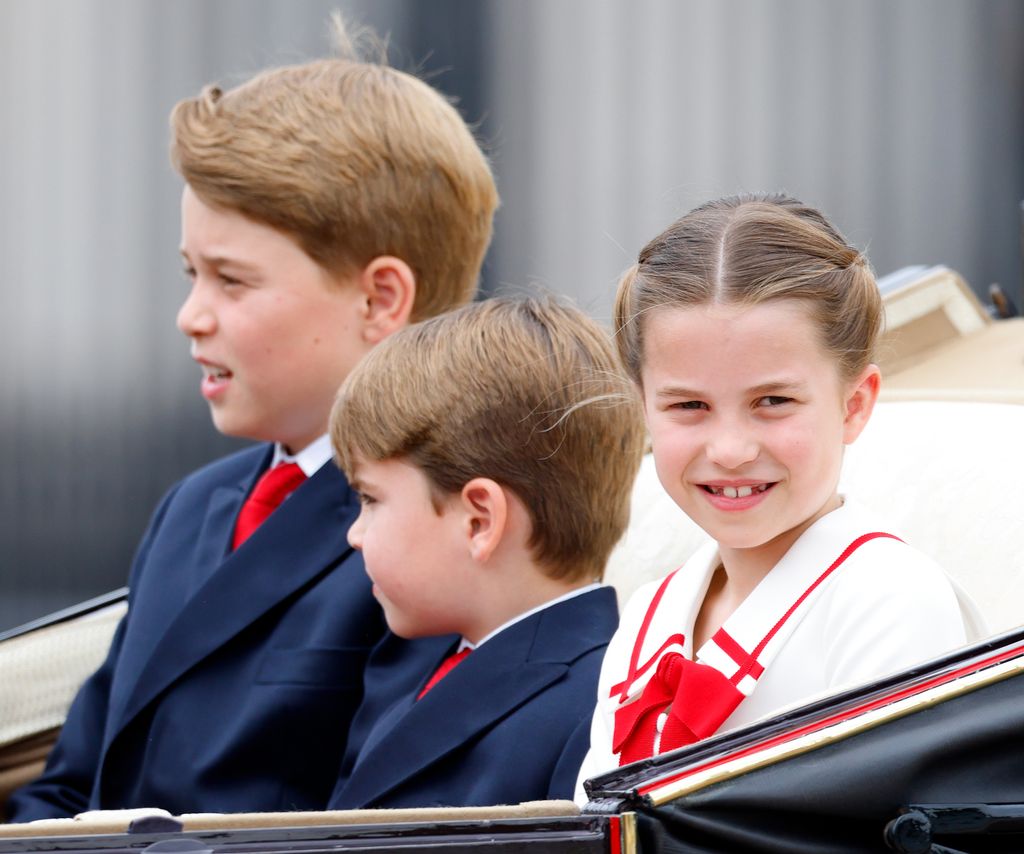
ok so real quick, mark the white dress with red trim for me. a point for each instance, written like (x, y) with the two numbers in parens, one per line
(848, 602)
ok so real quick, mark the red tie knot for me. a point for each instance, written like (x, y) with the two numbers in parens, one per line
(270, 490)
(670, 670)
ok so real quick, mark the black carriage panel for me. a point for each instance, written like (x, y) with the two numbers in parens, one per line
(834, 776)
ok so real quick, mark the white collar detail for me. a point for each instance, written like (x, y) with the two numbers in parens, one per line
(310, 459)
(572, 594)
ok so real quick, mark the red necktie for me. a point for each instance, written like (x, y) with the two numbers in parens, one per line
(271, 489)
(446, 666)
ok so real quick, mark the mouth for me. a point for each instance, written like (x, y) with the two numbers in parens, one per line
(214, 372)
(216, 380)
(744, 491)
(211, 370)
(737, 497)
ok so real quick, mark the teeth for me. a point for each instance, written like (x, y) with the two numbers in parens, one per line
(215, 373)
(738, 491)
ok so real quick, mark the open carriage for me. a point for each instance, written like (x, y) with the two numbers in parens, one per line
(929, 759)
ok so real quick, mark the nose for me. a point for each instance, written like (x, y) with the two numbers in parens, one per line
(732, 445)
(195, 317)
(355, 533)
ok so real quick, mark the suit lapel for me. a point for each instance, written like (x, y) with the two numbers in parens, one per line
(153, 612)
(434, 651)
(487, 686)
(268, 568)
(214, 543)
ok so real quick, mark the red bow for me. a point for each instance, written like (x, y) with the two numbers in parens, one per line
(698, 700)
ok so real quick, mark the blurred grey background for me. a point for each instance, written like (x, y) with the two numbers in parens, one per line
(604, 120)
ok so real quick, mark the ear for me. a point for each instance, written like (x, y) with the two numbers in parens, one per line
(485, 511)
(860, 401)
(389, 286)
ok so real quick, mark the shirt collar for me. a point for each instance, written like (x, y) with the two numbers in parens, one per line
(310, 459)
(579, 591)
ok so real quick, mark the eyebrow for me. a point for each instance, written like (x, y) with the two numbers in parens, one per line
(678, 391)
(779, 385)
(361, 484)
(221, 261)
(762, 389)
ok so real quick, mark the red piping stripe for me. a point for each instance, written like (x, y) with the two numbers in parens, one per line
(748, 664)
(632, 673)
(677, 640)
(849, 550)
(615, 834)
(743, 661)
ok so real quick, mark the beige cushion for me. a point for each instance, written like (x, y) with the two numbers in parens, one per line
(41, 672)
(117, 821)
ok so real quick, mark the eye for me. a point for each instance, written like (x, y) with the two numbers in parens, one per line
(228, 281)
(366, 499)
(773, 400)
(189, 272)
(689, 405)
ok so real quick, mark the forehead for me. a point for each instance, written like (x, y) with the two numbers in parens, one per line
(198, 218)
(739, 345)
(395, 471)
(225, 234)
(227, 239)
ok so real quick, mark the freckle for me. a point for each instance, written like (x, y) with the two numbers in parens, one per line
(316, 342)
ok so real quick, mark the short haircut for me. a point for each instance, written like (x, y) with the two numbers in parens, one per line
(526, 391)
(745, 250)
(354, 160)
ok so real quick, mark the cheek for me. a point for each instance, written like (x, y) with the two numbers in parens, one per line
(271, 324)
(792, 442)
(672, 443)
(811, 448)
(378, 563)
(368, 528)
(672, 460)
(254, 345)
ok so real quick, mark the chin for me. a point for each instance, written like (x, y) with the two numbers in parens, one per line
(227, 425)
(400, 626)
(739, 544)
(237, 429)
(743, 539)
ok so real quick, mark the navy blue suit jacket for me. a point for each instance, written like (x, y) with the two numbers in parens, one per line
(510, 723)
(231, 683)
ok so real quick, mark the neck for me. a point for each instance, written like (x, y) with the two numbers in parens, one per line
(745, 568)
(514, 595)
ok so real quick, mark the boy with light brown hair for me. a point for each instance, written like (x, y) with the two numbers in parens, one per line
(493, 449)
(326, 205)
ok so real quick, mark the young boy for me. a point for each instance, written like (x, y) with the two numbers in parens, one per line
(325, 206)
(493, 449)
